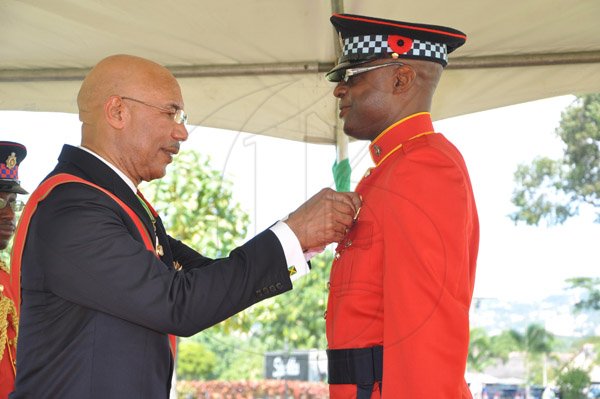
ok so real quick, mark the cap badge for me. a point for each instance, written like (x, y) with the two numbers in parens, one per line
(400, 44)
(11, 161)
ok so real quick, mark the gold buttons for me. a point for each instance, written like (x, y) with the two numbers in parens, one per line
(348, 243)
(177, 266)
(337, 255)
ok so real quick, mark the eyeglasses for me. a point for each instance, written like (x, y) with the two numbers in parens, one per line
(16, 205)
(179, 115)
(348, 73)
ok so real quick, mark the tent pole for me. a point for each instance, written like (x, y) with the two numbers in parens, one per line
(341, 140)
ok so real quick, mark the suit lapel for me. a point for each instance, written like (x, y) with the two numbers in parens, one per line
(85, 165)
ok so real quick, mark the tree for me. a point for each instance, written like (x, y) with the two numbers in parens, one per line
(504, 344)
(195, 361)
(572, 382)
(485, 351)
(296, 318)
(591, 286)
(195, 203)
(240, 356)
(536, 342)
(480, 350)
(554, 189)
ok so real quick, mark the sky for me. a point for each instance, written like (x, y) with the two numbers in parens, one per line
(272, 177)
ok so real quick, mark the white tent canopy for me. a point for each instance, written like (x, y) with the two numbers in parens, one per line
(258, 65)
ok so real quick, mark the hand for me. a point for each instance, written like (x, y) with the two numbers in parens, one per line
(325, 218)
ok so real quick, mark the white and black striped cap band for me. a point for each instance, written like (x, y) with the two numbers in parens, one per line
(369, 46)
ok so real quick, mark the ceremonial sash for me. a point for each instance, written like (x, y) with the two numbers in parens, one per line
(39, 195)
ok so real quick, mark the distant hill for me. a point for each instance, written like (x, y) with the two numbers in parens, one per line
(556, 313)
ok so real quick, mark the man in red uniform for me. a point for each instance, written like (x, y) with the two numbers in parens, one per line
(11, 155)
(402, 279)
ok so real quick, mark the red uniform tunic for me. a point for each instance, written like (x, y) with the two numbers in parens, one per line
(403, 277)
(9, 311)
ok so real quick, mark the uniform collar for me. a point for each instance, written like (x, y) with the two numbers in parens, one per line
(392, 138)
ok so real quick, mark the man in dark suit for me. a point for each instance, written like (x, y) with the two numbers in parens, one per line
(101, 294)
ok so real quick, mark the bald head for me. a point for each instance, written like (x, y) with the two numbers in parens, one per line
(123, 75)
(127, 106)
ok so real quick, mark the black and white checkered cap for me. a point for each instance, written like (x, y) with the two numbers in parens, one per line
(365, 39)
(370, 45)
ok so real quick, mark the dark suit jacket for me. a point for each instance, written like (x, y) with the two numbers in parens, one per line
(97, 306)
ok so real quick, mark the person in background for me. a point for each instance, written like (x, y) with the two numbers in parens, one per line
(402, 280)
(104, 287)
(11, 155)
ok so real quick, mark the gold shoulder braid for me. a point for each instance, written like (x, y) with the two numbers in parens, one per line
(8, 317)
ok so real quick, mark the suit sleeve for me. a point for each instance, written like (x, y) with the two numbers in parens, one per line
(91, 256)
(186, 256)
(426, 287)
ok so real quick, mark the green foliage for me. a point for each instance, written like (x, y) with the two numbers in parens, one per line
(293, 320)
(296, 318)
(195, 204)
(503, 344)
(485, 351)
(572, 382)
(535, 341)
(481, 354)
(240, 356)
(538, 187)
(554, 190)
(591, 286)
(195, 361)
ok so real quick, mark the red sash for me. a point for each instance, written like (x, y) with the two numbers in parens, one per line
(39, 195)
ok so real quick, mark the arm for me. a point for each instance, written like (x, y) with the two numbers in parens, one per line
(91, 257)
(427, 287)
